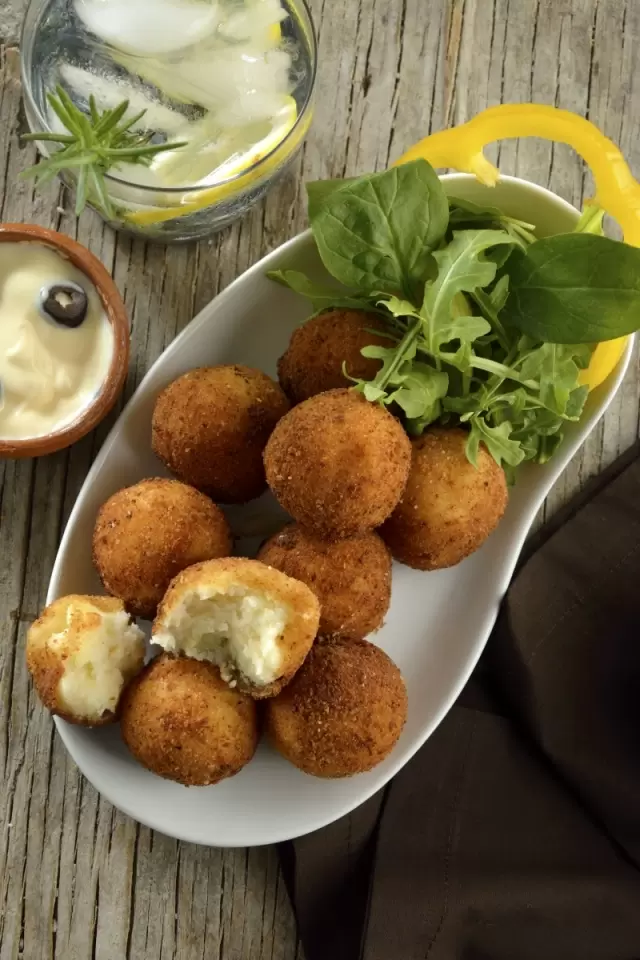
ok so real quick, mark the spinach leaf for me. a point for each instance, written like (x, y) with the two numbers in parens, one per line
(574, 288)
(465, 214)
(377, 232)
(322, 297)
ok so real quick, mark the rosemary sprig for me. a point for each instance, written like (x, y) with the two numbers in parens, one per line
(93, 145)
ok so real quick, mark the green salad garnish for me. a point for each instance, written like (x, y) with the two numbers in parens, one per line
(488, 326)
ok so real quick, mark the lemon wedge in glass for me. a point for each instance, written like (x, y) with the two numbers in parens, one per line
(197, 162)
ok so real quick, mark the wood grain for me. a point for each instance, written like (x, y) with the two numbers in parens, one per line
(78, 880)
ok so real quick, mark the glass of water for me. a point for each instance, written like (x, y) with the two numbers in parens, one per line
(232, 81)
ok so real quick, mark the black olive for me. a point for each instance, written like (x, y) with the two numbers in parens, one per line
(66, 303)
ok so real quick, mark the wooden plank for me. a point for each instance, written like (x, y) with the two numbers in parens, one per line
(78, 880)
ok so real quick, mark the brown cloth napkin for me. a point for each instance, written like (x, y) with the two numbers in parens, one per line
(514, 833)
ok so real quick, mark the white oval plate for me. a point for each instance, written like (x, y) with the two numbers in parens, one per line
(438, 623)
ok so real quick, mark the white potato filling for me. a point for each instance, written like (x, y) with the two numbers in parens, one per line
(96, 672)
(238, 630)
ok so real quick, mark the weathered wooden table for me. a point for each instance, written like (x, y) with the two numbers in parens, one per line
(79, 880)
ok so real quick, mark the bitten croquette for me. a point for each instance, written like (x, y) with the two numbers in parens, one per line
(342, 713)
(318, 350)
(146, 534)
(81, 653)
(338, 464)
(449, 507)
(351, 578)
(181, 721)
(210, 427)
(255, 623)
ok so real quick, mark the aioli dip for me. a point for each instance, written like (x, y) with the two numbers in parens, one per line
(49, 373)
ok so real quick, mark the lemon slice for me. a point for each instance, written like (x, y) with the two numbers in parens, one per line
(266, 147)
(275, 34)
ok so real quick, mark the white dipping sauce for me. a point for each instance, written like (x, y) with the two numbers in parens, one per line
(49, 373)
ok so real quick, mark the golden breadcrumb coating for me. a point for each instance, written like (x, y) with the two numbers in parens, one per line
(181, 721)
(343, 711)
(338, 464)
(323, 347)
(449, 507)
(351, 578)
(145, 534)
(210, 427)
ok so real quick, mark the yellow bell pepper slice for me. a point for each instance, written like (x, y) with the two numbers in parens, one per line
(617, 191)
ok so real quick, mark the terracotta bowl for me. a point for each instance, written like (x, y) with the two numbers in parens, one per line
(115, 310)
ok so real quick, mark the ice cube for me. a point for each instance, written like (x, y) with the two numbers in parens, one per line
(255, 21)
(109, 93)
(147, 29)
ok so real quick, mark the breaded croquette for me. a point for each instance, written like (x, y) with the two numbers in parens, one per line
(145, 534)
(210, 427)
(351, 578)
(449, 507)
(338, 464)
(323, 347)
(182, 722)
(255, 623)
(343, 711)
(81, 653)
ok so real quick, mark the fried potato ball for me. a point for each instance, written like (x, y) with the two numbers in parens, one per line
(81, 653)
(343, 711)
(338, 464)
(182, 722)
(351, 578)
(254, 623)
(449, 507)
(210, 427)
(145, 534)
(313, 361)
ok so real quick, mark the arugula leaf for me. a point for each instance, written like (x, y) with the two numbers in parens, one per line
(322, 297)
(461, 269)
(447, 326)
(497, 440)
(554, 366)
(416, 387)
(499, 294)
(574, 288)
(376, 232)
(420, 392)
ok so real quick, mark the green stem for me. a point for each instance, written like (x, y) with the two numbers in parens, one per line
(403, 346)
(487, 311)
(591, 220)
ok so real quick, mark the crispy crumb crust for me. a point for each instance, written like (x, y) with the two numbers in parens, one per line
(297, 638)
(210, 427)
(145, 534)
(338, 464)
(351, 578)
(313, 361)
(449, 507)
(46, 664)
(342, 713)
(182, 722)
